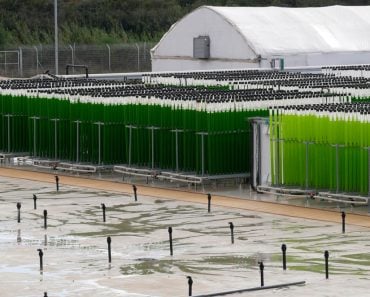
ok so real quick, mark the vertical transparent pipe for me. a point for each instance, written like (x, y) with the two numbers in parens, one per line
(34, 134)
(77, 140)
(55, 138)
(177, 149)
(152, 147)
(8, 116)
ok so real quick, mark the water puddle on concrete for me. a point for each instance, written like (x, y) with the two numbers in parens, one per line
(75, 256)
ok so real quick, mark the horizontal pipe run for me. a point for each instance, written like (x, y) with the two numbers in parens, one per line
(254, 289)
(76, 167)
(341, 200)
(350, 199)
(330, 195)
(132, 173)
(279, 190)
(282, 194)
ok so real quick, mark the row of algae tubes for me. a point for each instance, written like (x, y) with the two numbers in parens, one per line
(139, 134)
(320, 149)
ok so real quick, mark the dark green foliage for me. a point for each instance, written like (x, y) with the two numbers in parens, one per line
(111, 21)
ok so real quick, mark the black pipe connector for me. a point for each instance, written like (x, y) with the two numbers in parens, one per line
(283, 249)
(41, 254)
(34, 201)
(209, 201)
(109, 241)
(19, 211)
(326, 255)
(232, 232)
(343, 222)
(57, 182)
(135, 192)
(190, 284)
(170, 236)
(262, 267)
(45, 219)
(103, 208)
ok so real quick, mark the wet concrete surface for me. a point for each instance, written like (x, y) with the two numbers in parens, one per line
(76, 257)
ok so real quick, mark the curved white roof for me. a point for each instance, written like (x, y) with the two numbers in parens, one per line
(252, 36)
(276, 30)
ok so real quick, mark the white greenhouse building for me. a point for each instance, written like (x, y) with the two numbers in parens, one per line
(265, 37)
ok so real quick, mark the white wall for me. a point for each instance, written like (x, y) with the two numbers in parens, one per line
(323, 59)
(230, 50)
(177, 44)
(185, 65)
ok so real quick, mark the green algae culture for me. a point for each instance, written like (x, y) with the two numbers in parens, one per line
(203, 131)
(322, 147)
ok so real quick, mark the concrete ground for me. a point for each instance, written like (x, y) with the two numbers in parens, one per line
(75, 246)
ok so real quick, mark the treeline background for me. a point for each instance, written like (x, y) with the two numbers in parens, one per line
(26, 22)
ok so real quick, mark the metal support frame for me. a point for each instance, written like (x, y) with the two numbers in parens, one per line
(368, 178)
(368, 173)
(299, 193)
(202, 134)
(130, 142)
(337, 146)
(55, 138)
(8, 116)
(99, 140)
(196, 179)
(81, 168)
(34, 134)
(152, 128)
(142, 172)
(177, 131)
(323, 195)
(307, 143)
(277, 150)
(77, 139)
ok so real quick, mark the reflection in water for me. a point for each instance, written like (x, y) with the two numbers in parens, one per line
(45, 240)
(19, 238)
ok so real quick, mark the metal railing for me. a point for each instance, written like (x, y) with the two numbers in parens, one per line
(28, 61)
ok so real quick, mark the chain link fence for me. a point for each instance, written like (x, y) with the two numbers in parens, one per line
(27, 61)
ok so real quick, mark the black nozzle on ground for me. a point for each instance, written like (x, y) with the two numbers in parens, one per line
(19, 211)
(170, 237)
(109, 241)
(135, 191)
(57, 182)
(41, 254)
(190, 284)
(232, 232)
(209, 201)
(103, 208)
(34, 201)
(262, 267)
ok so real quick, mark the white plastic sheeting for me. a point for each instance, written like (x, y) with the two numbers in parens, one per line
(250, 37)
